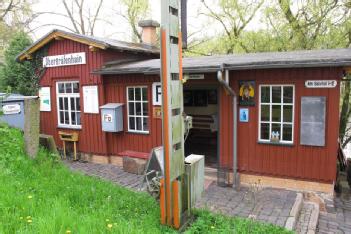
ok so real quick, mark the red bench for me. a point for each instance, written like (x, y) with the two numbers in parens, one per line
(134, 154)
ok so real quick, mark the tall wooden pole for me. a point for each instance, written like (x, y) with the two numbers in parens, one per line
(172, 109)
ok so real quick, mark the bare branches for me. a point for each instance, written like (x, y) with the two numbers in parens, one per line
(76, 11)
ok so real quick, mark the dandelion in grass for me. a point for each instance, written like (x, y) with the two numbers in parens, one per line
(212, 227)
(109, 225)
(68, 232)
(29, 221)
(30, 197)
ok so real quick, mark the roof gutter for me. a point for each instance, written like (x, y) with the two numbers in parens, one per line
(225, 83)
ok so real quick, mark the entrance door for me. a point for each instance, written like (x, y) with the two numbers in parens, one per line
(201, 103)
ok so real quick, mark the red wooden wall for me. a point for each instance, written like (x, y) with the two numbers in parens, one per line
(296, 161)
(115, 91)
(91, 138)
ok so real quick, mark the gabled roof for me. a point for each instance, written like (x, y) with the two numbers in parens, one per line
(293, 59)
(97, 42)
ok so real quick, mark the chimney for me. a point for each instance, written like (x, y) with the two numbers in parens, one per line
(148, 34)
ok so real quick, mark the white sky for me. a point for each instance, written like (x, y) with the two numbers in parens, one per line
(115, 26)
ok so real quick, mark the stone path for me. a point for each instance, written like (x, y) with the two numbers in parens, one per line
(108, 172)
(304, 218)
(272, 205)
(337, 217)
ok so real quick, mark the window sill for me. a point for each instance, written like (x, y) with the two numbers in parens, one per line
(276, 143)
(139, 133)
(70, 127)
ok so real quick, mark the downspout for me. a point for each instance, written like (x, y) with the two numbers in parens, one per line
(225, 83)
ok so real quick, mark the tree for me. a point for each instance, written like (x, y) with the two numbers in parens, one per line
(21, 77)
(308, 24)
(233, 16)
(81, 22)
(136, 10)
(15, 15)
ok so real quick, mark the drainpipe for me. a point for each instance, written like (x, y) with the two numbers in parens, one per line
(225, 83)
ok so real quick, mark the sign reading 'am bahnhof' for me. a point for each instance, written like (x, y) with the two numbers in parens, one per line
(64, 60)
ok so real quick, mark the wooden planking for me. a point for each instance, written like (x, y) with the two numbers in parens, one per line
(115, 90)
(297, 161)
(92, 139)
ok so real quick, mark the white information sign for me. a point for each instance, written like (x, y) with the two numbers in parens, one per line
(11, 109)
(64, 60)
(45, 99)
(321, 83)
(156, 94)
(91, 99)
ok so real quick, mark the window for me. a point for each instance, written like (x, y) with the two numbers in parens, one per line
(276, 116)
(68, 104)
(138, 109)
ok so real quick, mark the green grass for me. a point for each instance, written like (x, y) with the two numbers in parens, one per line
(43, 196)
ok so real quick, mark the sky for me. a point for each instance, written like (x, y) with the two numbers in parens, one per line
(112, 25)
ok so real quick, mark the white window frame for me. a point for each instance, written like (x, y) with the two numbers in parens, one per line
(142, 115)
(69, 95)
(270, 122)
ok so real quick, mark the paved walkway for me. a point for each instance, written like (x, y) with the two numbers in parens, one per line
(267, 205)
(271, 205)
(337, 217)
(108, 172)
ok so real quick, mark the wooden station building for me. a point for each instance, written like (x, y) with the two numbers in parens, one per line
(287, 105)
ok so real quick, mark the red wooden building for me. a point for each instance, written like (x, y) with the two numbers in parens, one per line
(287, 105)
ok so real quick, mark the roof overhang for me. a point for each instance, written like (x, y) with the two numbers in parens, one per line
(57, 35)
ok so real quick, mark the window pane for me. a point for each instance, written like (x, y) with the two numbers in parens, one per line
(66, 117)
(131, 94)
(288, 95)
(138, 124)
(61, 117)
(276, 94)
(138, 108)
(287, 113)
(275, 134)
(145, 124)
(287, 132)
(61, 88)
(76, 87)
(265, 131)
(144, 94)
(276, 113)
(265, 94)
(78, 103)
(131, 108)
(131, 123)
(65, 103)
(264, 112)
(145, 109)
(60, 103)
(138, 94)
(68, 87)
(73, 118)
(78, 118)
(73, 105)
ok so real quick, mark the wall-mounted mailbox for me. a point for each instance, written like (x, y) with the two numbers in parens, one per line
(112, 117)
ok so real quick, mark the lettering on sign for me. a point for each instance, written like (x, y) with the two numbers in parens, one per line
(64, 60)
(11, 109)
(321, 83)
(108, 118)
(156, 94)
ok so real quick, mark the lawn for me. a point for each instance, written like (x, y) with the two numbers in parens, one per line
(43, 196)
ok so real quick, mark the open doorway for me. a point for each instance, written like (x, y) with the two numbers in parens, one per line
(201, 103)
